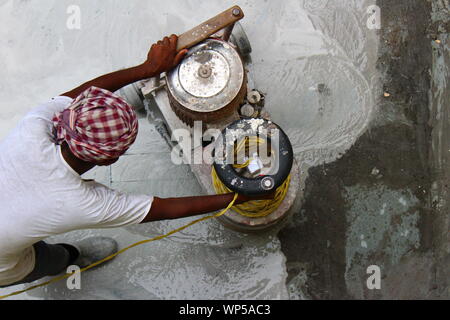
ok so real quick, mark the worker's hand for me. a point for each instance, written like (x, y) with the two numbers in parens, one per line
(241, 198)
(163, 56)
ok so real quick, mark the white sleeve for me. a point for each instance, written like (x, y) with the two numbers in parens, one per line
(102, 207)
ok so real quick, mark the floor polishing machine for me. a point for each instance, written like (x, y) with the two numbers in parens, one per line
(216, 121)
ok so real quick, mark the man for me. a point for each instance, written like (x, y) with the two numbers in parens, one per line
(41, 163)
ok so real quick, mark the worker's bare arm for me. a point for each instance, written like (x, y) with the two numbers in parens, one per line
(175, 208)
(112, 81)
(162, 57)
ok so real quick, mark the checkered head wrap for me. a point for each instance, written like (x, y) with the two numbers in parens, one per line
(97, 126)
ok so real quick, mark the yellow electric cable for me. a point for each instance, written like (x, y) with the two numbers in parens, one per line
(257, 208)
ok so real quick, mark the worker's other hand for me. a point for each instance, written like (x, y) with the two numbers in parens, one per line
(163, 56)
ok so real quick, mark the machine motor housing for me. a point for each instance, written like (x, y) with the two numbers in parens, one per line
(209, 84)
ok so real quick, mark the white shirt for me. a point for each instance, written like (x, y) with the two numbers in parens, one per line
(41, 195)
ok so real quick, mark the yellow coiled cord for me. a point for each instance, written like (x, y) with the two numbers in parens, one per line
(257, 208)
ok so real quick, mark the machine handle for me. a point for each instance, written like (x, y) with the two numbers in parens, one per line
(210, 27)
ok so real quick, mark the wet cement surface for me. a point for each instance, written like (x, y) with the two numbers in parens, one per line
(384, 202)
(374, 168)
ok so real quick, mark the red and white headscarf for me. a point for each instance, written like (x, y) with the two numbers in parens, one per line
(97, 126)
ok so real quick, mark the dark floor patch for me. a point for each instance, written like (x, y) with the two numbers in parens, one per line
(394, 153)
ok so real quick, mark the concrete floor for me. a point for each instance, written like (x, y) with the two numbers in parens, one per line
(374, 167)
(385, 201)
